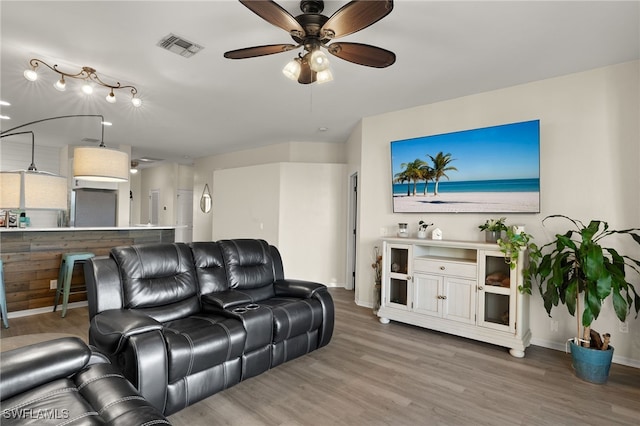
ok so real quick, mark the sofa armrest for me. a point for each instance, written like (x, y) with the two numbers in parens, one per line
(25, 368)
(298, 288)
(226, 299)
(109, 330)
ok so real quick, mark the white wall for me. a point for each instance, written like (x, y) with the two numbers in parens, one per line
(590, 153)
(313, 222)
(298, 207)
(246, 203)
(307, 152)
(166, 178)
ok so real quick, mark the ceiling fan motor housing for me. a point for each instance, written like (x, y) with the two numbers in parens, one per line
(312, 6)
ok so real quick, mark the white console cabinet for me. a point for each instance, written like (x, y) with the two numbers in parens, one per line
(464, 288)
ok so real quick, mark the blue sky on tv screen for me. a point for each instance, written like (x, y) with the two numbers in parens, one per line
(510, 151)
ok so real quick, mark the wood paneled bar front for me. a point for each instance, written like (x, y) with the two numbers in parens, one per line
(31, 257)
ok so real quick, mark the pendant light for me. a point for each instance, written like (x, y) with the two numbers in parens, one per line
(32, 189)
(94, 163)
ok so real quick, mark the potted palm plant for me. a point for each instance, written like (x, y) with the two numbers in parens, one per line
(575, 266)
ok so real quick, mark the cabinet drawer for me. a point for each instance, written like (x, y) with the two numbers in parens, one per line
(445, 267)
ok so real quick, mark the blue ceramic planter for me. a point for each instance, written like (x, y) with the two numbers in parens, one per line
(591, 365)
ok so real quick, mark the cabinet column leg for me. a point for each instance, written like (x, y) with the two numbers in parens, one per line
(384, 320)
(516, 353)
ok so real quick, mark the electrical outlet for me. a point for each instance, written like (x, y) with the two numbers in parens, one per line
(624, 327)
(53, 284)
(554, 325)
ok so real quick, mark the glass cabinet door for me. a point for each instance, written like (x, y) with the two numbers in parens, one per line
(397, 291)
(497, 285)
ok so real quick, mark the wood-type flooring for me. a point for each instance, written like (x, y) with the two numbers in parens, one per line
(395, 374)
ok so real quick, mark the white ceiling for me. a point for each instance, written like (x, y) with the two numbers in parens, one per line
(206, 104)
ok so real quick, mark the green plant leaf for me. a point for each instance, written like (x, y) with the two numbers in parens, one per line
(593, 261)
(620, 305)
(593, 303)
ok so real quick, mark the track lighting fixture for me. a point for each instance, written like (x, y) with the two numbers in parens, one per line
(90, 77)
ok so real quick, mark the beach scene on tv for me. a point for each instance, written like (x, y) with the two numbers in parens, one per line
(487, 170)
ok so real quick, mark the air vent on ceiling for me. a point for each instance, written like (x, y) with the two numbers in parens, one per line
(148, 160)
(179, 45)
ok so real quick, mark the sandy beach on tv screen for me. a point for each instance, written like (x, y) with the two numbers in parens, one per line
(460, 202)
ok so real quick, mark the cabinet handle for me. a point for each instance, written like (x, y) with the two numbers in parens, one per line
(444, 297)
(442, 268)
(409, 278)
(480, 287)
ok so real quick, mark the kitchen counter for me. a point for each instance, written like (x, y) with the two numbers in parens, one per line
(88, 228)
(31, 257)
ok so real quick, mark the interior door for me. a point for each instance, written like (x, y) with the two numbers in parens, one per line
(184, 216)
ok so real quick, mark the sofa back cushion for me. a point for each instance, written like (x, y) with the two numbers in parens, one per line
(249, 265)
(158, 279)
(209, 264)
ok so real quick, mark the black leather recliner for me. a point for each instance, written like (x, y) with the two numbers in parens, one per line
(63, 381)
(186, 321)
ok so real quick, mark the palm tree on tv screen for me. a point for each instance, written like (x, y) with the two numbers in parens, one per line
(414, 171)
(402, 178)
(440, 167)
(428, 173)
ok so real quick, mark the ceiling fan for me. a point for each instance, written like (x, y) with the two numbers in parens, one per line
(313, 31)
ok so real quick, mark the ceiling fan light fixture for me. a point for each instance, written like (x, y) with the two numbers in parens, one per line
(324, 76)
(292, 69)
(318, 61)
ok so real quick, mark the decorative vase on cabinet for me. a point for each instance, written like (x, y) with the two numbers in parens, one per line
(492, 236)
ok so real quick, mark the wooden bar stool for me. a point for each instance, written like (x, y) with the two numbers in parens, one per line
(64, 278)
(3, 298)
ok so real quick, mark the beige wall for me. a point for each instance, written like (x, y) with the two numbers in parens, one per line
(167, 179)
(298, 207)
(309, 152)
(589, 170)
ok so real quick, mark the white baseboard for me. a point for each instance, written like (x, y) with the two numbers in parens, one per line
(44, 310)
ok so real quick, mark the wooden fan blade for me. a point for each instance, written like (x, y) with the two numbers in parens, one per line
(252, 52)
(274, 14)
(355, 16)
(307, 75)
(363, 54)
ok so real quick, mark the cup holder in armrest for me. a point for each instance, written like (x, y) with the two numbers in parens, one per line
(246, 308)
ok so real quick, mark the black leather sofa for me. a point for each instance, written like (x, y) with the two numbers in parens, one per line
(63, 381)
(186, 321)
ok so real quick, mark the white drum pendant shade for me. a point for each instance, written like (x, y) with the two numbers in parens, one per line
(100, 164)
(32, 190)
(10, 190)
(44, 191)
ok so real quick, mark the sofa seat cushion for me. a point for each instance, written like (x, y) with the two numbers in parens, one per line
(292, 316)
(200, 342)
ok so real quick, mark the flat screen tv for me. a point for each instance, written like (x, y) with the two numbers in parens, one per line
(488, 170)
